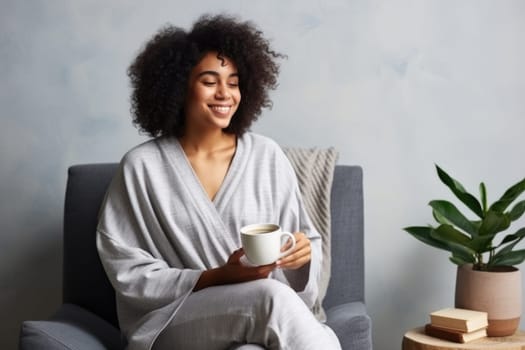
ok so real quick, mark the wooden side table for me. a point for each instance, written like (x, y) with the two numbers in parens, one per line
(416, 339)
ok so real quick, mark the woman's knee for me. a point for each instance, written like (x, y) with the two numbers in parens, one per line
(270, 288)
(271, 294)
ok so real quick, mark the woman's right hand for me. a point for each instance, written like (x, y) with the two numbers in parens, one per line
(233, 272)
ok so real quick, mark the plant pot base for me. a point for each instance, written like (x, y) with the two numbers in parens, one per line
(503, 328)
(496, 293)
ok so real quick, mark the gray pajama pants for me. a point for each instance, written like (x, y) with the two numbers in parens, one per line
(264, 312)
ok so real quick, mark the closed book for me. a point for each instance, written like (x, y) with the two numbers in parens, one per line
(462, 320)
(454, 336)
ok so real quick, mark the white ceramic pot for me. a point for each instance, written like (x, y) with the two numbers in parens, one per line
(498, 293)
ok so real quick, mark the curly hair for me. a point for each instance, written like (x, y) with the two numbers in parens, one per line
(159, 74)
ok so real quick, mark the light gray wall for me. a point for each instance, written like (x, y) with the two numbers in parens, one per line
(394, 85)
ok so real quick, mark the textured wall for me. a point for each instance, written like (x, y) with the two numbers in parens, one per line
(394, 85)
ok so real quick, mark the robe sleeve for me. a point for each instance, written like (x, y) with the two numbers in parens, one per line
(143, 280)
(293, 217)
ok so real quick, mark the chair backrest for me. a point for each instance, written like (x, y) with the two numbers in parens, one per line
(84, 279)
(347, 282)
(85, 282)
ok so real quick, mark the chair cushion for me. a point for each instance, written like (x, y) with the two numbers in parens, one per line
(351, 324)
(70, 328)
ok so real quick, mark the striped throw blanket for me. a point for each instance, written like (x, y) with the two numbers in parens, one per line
(314, 168)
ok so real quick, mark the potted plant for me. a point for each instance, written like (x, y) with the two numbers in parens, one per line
(487, 278)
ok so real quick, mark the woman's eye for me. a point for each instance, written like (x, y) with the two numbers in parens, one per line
(208, 83)
(233, 84)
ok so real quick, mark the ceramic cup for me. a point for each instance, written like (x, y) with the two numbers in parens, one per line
(262, 243)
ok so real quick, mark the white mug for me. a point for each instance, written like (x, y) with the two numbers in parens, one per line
(262, 243)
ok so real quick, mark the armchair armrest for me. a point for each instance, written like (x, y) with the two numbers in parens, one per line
(352, 325)
(72, 327)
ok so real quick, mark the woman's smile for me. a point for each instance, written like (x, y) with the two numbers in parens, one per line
(221, 109)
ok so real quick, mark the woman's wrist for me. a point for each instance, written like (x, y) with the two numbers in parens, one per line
(208, 278)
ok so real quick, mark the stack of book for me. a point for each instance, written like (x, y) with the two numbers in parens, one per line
(457, 325)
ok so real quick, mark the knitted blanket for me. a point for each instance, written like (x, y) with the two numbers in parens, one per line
(315, 171)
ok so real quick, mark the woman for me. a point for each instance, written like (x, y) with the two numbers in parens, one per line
(168, 233)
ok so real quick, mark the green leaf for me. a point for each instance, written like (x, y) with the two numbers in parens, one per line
(454, 216)
(517, 235)
(459, 261)
(508, 197)
(477, 224)
(517, 211)
(512, 258)
(440, 218)
(447, 233)
(456, 241)
(423, 233)
(483, 195)
(463, 257)
(481, 244)
(469, 200)
(513, 240)
(493, 223)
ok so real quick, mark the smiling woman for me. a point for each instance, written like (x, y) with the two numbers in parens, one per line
(169, 228)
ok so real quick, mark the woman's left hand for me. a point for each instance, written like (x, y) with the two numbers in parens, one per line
(299, 256)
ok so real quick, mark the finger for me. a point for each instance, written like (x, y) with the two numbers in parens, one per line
(301, 249)
(299, 236)
(301, 239)
(300, 242)
(295, 264)
(259, 272)
(295, 260)
(266, 268)
(239, 252)
(236, 256)
(288, 244)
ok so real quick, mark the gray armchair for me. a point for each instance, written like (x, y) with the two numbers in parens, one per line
(87, 318)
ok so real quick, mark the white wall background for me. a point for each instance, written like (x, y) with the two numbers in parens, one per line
(394, 85)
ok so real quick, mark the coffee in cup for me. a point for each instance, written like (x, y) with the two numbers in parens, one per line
(262, 243)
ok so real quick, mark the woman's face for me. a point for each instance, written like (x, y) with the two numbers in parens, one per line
(213, 93)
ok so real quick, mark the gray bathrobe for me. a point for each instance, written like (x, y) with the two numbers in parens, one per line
(158, 229)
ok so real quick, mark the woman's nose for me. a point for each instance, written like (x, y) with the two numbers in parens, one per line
(221, 92)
